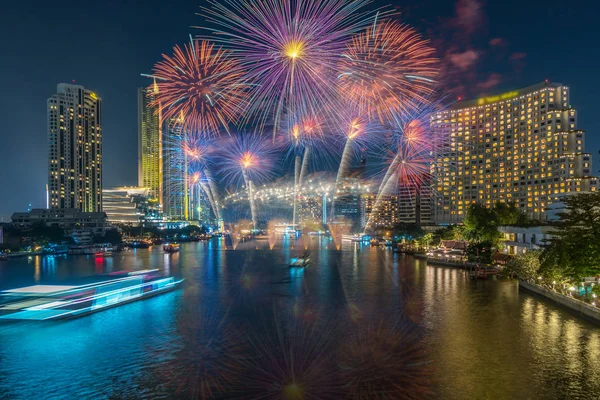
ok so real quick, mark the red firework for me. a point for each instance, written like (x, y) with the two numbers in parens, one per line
(387, 69)
(200, 87)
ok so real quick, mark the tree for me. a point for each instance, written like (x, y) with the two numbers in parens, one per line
(112, 236)
(480, 252)
(509, 214)
(524, 265)
(450, 232)
(480, 225)
(574, 249)
(42, 233)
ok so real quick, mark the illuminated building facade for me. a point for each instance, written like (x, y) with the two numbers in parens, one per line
(383, 215)
(130, 205)
(175, 196)
(150, 167)
(310, 209)
(75, 149)
(347, 200)
(415, 203)
(522, 147)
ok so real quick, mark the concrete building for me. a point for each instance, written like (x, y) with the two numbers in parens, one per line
(75, 149)
(310, 209)
(517, 240)
(67, 219)
(175, 195)
(150, 152)
(522, 146)
(415, 204)
(130, 205)
(383, 215)
(347, 200)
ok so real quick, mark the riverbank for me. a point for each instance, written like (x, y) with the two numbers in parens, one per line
(579, 307)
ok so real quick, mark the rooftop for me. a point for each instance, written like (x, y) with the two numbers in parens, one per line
(502, 96)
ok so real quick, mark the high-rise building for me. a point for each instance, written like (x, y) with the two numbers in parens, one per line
(150, 153)
(414, 203)
(382, 212)
(520, 147)
(175, 198)
(347, 200)
(75, 149)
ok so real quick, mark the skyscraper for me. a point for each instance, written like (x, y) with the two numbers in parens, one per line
(150, 153)
(175, 194)
(75, 149)
(520, 147)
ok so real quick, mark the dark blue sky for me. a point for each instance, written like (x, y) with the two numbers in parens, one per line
(104, 45)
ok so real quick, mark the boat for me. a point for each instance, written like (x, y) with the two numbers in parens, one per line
(103, 253)
(140, 244)
(53, 302)
(171, 248)
(3, 257)
(300, 262)
(79, 249)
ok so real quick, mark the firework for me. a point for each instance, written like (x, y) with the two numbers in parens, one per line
(248, 159)
(289, 49)
(302, 134)
(407, 153)
(386, 70)
(200, 87)
(358, 134)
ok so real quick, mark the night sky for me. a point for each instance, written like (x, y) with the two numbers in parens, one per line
(104, 45)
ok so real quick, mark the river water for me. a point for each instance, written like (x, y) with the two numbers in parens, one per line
(359, 322)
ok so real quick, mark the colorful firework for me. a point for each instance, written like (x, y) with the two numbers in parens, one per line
(358, 134)
(386, 70)
(408, 153)
(289, 49)
(305, 142)
(248, 159)
(201, 87)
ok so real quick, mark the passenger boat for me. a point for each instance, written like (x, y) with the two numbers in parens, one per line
(103, 253)
(300, 262)
(49, 302)
(171, 248)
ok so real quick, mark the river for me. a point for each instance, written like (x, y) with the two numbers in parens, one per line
(359, 322)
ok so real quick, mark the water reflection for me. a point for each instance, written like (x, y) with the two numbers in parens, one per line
(359, 322)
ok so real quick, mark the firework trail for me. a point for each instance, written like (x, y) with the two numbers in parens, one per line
(386, 70)
(409, 153)
(201, 86)
(302, 134)
(248, 159)
(197, 154)
(358, 134)
(214, 194)
(288, 49)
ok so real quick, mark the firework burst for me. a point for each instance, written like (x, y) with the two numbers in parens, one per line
(248, 159)
(386, 70)
(200, 87)
(289, 49)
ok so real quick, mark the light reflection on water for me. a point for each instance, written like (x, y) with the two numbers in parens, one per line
(470, 339)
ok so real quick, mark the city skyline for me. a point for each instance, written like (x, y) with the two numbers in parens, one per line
(120, 122)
